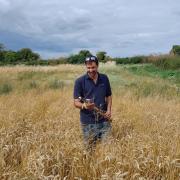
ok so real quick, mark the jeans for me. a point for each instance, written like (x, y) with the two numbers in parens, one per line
(95, 132)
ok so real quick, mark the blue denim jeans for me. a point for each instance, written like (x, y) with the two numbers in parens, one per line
(95, 132)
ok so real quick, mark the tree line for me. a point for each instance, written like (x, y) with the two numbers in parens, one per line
(27, 57)
(21, 56)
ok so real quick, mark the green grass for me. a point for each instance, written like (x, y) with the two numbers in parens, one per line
(167, 62)
(34, 75)
(151, 88)
(56, 84)
(142, 80)
(29, 80)
(153, 71)
(5, 88)
(33, 84)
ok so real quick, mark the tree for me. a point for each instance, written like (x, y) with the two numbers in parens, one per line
(85, 53)
(79, 58)
(175, 50)
(82, 55)
(101, 55)
(74, 59)
(10, 57)
(26, 54)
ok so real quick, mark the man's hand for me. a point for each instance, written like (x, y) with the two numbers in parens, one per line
(108, 114)
(89, 106)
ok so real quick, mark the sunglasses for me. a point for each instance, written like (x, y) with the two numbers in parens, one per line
(92, 58)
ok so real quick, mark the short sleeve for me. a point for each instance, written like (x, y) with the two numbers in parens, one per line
(77, 89)
(108, 87)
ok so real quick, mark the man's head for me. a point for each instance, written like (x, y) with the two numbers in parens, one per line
(91, 59)
(91, 63)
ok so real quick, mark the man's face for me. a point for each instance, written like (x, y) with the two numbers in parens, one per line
(92, 69)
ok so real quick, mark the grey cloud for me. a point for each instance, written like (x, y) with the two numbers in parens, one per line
(120, 27)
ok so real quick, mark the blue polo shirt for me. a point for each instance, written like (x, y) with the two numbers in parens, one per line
(86, 88)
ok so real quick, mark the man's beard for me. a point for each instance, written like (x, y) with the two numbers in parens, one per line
(92, 74)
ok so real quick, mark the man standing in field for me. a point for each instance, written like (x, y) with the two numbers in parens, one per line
(92, 92)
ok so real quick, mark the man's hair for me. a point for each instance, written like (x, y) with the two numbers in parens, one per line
(91, 59)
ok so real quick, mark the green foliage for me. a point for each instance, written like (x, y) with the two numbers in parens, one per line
(27, 57)
(5, 88)
(84, 53)
(79, 58)
(26, 54)
(54, 62)
(75, 59)
(101, 55)
(23, 56)
(130, 60)
(51, 62)
(153, 71)
(168, 62)
(122, 60)
(137, 59)
(36, 62)
(10, 57)
(175, 50)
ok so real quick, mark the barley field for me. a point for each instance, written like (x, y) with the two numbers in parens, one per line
(41, 134)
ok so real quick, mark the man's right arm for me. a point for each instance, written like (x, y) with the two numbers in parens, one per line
(81, 105)
(78, 104)
(78, 92)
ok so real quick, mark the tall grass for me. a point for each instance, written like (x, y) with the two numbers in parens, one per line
(5, 88)
(165, 61)
(33, 84)
(150, 70)
(41, 135)
(56, 84)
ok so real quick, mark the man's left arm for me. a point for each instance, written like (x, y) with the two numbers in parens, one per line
(109, 104)
(108, 98)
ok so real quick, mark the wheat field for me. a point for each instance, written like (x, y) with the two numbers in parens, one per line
(41, 135)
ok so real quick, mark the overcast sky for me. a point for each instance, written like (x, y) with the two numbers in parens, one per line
(61, 27)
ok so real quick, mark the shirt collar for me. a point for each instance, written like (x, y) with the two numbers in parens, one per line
(87, 76)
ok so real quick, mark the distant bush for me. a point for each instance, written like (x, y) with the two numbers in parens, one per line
(26, 54)
(168, 62)
(130, 60)
(101, 55)
(78, 58)
(121, 60)
(23, 56)
(54, 62)
(175, 50)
